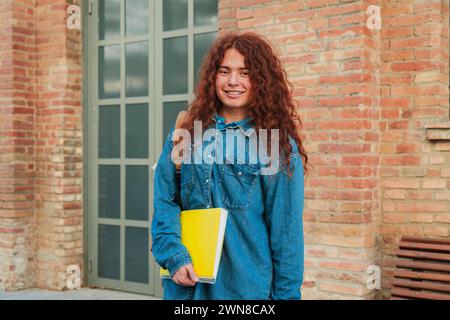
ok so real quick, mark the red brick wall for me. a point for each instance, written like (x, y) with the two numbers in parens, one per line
(59, 161)
(366, 98)
(40, 141)
(332, 60)
(414, 172)
(17, 219)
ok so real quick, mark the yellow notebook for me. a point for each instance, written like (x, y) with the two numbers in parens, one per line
(202, 233)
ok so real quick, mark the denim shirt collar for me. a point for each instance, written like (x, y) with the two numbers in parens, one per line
(244, 124)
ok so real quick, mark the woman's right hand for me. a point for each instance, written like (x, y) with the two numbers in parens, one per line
(185, 276)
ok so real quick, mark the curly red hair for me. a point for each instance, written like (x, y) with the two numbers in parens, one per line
(269, 109)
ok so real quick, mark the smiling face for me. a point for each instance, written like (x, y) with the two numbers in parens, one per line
(233, 83)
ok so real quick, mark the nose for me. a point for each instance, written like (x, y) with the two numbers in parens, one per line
(234, 79)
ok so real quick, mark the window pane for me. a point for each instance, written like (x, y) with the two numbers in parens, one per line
(109, 251)
(137, 131)
(137, 69)
(136, 194)
(109, 132)
(136, 254)
(175, 65)
(109, 191)
(136, 17)
(109, 19)
(175, 14)
(202, 42)
(170, 113)
(109, 72)
(205, 12)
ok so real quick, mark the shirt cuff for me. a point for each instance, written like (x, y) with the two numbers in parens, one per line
(177, 261)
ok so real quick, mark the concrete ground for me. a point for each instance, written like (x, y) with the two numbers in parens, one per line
(82, 294)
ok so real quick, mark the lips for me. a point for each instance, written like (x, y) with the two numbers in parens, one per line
(234, 93)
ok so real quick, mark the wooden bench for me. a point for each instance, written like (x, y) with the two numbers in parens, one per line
(422, 269)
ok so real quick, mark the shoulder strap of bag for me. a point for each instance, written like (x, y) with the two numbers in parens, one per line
(180, 119)
(178, 123)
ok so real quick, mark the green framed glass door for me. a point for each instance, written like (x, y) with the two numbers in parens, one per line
(142, 57)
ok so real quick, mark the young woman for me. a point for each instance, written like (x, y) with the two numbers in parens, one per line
(242, 89)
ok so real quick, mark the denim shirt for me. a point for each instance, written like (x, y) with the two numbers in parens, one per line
(263, 249)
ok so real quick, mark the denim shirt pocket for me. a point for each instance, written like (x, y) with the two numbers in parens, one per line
(186, 184)
(237, 184)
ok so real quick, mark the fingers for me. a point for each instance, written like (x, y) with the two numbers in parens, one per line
(191, 273)
(183, 280)
(183, 276)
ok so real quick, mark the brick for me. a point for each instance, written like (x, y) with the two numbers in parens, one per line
(343, 288)
(429, 76)
(442, 218)
(437, 159)
(413, 66)
(415, 19)
(386, 79)
(400, 160)
(395, 102)
(411, 230)
(389, 172)
(433, 184)
(436, 231)
(244, 13)
(400, 183)
(394, 194)
(413, 90)
(318, 23)
(352, 242)
(295, 16)
(422, 207)
(442, 146)
(392, 10)
(343, 265)
(359, 160)
(397, 32)
(413, 172)
(419, 195)
(406, 148)
(421, 218)
(394, 217)
(346, 195)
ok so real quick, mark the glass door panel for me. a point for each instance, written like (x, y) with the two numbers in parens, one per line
(142, 61)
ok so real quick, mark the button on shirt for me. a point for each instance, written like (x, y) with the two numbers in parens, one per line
(263, 249)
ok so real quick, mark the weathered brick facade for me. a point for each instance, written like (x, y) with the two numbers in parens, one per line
(375, 106)
(367, 98)
(40, 140)
(414, 79)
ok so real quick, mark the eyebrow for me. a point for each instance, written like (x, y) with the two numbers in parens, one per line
(228, 68)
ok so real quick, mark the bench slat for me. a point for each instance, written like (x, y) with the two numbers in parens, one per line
(398, 298)
(419, 294)
(422, 269)
(422, 275)
(425, 246)
(425, 240)
(422, 265)
(435, 286)
(423, 255)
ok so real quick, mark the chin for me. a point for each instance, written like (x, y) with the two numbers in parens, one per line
(234, 106)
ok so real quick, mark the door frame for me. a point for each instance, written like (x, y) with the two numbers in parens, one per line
(155, 101)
